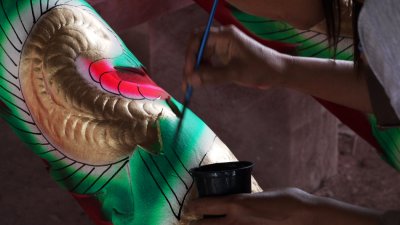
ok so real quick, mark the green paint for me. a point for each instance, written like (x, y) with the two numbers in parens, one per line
(128, 59)
(137, 184)
(272, 30)
(389, 139)
(130, 194)
(16, 124)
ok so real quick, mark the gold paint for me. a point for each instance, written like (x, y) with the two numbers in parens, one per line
(84, 122)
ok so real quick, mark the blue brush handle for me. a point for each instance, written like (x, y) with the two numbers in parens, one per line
(205, 35)
(189, 88)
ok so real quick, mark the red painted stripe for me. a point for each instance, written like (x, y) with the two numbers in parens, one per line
(92, 207)
(131, 83)
(225, 17)
(110, 81)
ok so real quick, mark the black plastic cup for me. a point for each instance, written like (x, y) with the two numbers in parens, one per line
(221, 179)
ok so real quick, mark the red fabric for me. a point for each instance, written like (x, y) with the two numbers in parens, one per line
(92, 208)
(354, 119)
(225, 17)
(3, 106)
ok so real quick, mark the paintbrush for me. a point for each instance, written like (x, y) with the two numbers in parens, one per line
(189, 88)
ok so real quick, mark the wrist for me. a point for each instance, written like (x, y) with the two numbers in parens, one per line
(285, 73)
(331, 212)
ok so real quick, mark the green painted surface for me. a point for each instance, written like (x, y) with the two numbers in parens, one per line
(137, 190)
(151, 183)
(280, 31)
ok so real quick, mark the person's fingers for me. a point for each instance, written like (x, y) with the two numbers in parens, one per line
(220, 43)
(210, 206)
(216, 66)
(214, 40)
(208, 74)
(210, 221)
(191, 50)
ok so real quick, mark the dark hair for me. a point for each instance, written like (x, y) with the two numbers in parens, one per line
(356, 9)
(333, 12)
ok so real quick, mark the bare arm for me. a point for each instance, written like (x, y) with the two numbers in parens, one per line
(335, 81)
(282, 207)
(232, 57)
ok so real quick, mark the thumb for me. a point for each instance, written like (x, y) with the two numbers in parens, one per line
(208, 206)
(208, 74)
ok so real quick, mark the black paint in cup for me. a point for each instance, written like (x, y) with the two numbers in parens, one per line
(223, 178)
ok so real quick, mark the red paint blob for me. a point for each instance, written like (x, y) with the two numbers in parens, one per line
(129, 82)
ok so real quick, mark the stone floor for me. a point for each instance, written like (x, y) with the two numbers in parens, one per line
(363, 177)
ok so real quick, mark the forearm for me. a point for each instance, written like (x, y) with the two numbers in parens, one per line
(332, 212)
(335, 81)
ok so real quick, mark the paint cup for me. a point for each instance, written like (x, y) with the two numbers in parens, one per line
(223, 178)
